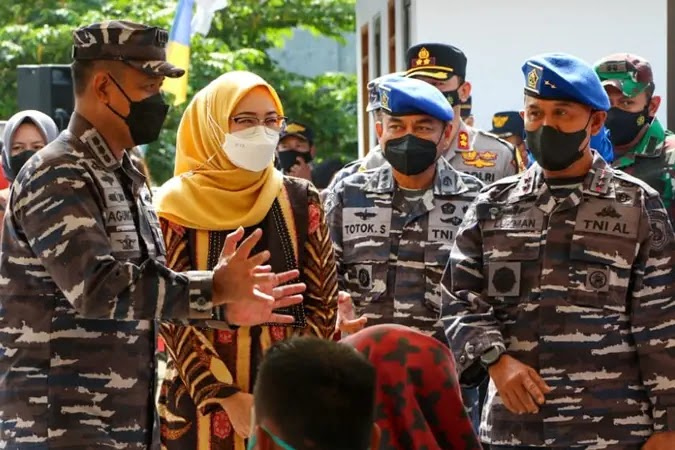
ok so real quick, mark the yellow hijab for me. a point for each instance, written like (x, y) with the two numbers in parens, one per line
(207, 191)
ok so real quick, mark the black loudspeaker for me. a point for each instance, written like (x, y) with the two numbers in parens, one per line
(47, 88)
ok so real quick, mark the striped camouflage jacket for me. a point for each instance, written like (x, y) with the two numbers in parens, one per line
(81, 281)
(391, 248)
(580, 288)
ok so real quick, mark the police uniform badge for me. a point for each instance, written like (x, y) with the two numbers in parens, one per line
(534, 78)
(424, 58)
(295, 128)
(660, 235)
(384, 99)
(463, 140)
(499, 121)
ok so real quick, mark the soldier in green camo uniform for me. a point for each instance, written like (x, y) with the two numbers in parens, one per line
(642, 146)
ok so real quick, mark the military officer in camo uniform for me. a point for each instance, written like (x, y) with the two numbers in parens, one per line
(374, 156)
(560, 286)
(82, 272)
(393, 226)
(471, 151)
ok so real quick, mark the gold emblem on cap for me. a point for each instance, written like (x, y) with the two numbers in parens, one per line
(641, 120)
(295, 128)
(384, 100)
(532, 79)
(499, 121)
(423, 57)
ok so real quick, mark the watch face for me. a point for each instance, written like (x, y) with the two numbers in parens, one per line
(491, 355)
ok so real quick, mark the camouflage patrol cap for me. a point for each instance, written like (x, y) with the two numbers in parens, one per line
(631, 74)
(139, 46)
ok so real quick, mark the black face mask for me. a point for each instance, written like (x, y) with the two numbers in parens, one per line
(16, 162)
(145, 118)
(453, 97)
(624, 126)
(410, 155)
(555, 150)
(289, 158)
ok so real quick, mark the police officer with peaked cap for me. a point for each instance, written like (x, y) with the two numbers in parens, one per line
(82, 274)
(472, 150)
(560, 286)
(509, 125)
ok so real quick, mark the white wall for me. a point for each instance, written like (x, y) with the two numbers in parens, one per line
(306, 54)
(498, 36)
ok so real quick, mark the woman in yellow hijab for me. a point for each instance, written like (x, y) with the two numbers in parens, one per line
(225, 178)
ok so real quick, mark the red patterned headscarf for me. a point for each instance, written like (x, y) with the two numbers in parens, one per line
(419, 404)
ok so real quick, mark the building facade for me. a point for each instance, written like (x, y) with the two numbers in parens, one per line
(307, 54)
(498, 36)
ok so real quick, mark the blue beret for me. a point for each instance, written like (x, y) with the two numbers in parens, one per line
(508, 123)
(400, 96)
(374, 92)
(558, 76)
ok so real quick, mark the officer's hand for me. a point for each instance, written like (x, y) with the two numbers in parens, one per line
(301, 169)
(347, 323)
(520, 386)
(661, 441)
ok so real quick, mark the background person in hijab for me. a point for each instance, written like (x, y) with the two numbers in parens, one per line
(25, 133)
(225, 179)
(418, 399)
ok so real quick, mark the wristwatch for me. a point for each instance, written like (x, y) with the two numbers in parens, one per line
(491, 356)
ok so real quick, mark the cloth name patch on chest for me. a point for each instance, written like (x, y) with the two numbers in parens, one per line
(444, 220)
(515, 218)
(365, 222)
(608, 218)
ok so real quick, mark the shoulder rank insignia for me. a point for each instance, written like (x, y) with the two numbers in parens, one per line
(463, 140)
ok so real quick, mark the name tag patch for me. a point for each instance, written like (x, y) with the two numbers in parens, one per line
(444, 220)
(608, 218)
(364, 222)
(516, 218)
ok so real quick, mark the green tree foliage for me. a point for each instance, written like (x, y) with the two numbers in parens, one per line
(39, 32)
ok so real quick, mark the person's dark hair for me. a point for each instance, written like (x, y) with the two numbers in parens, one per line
(319, 393)
(82, 72)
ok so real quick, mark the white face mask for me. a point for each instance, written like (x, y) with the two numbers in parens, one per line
(251, 149)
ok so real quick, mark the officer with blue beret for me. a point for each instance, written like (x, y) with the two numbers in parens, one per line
(562, 276)
(374, 157)
(410, 207)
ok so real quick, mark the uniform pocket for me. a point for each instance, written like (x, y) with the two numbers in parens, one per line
(366, 282)
(599, 272)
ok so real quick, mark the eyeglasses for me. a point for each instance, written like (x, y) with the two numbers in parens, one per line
(277, 440)
(276, 123)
